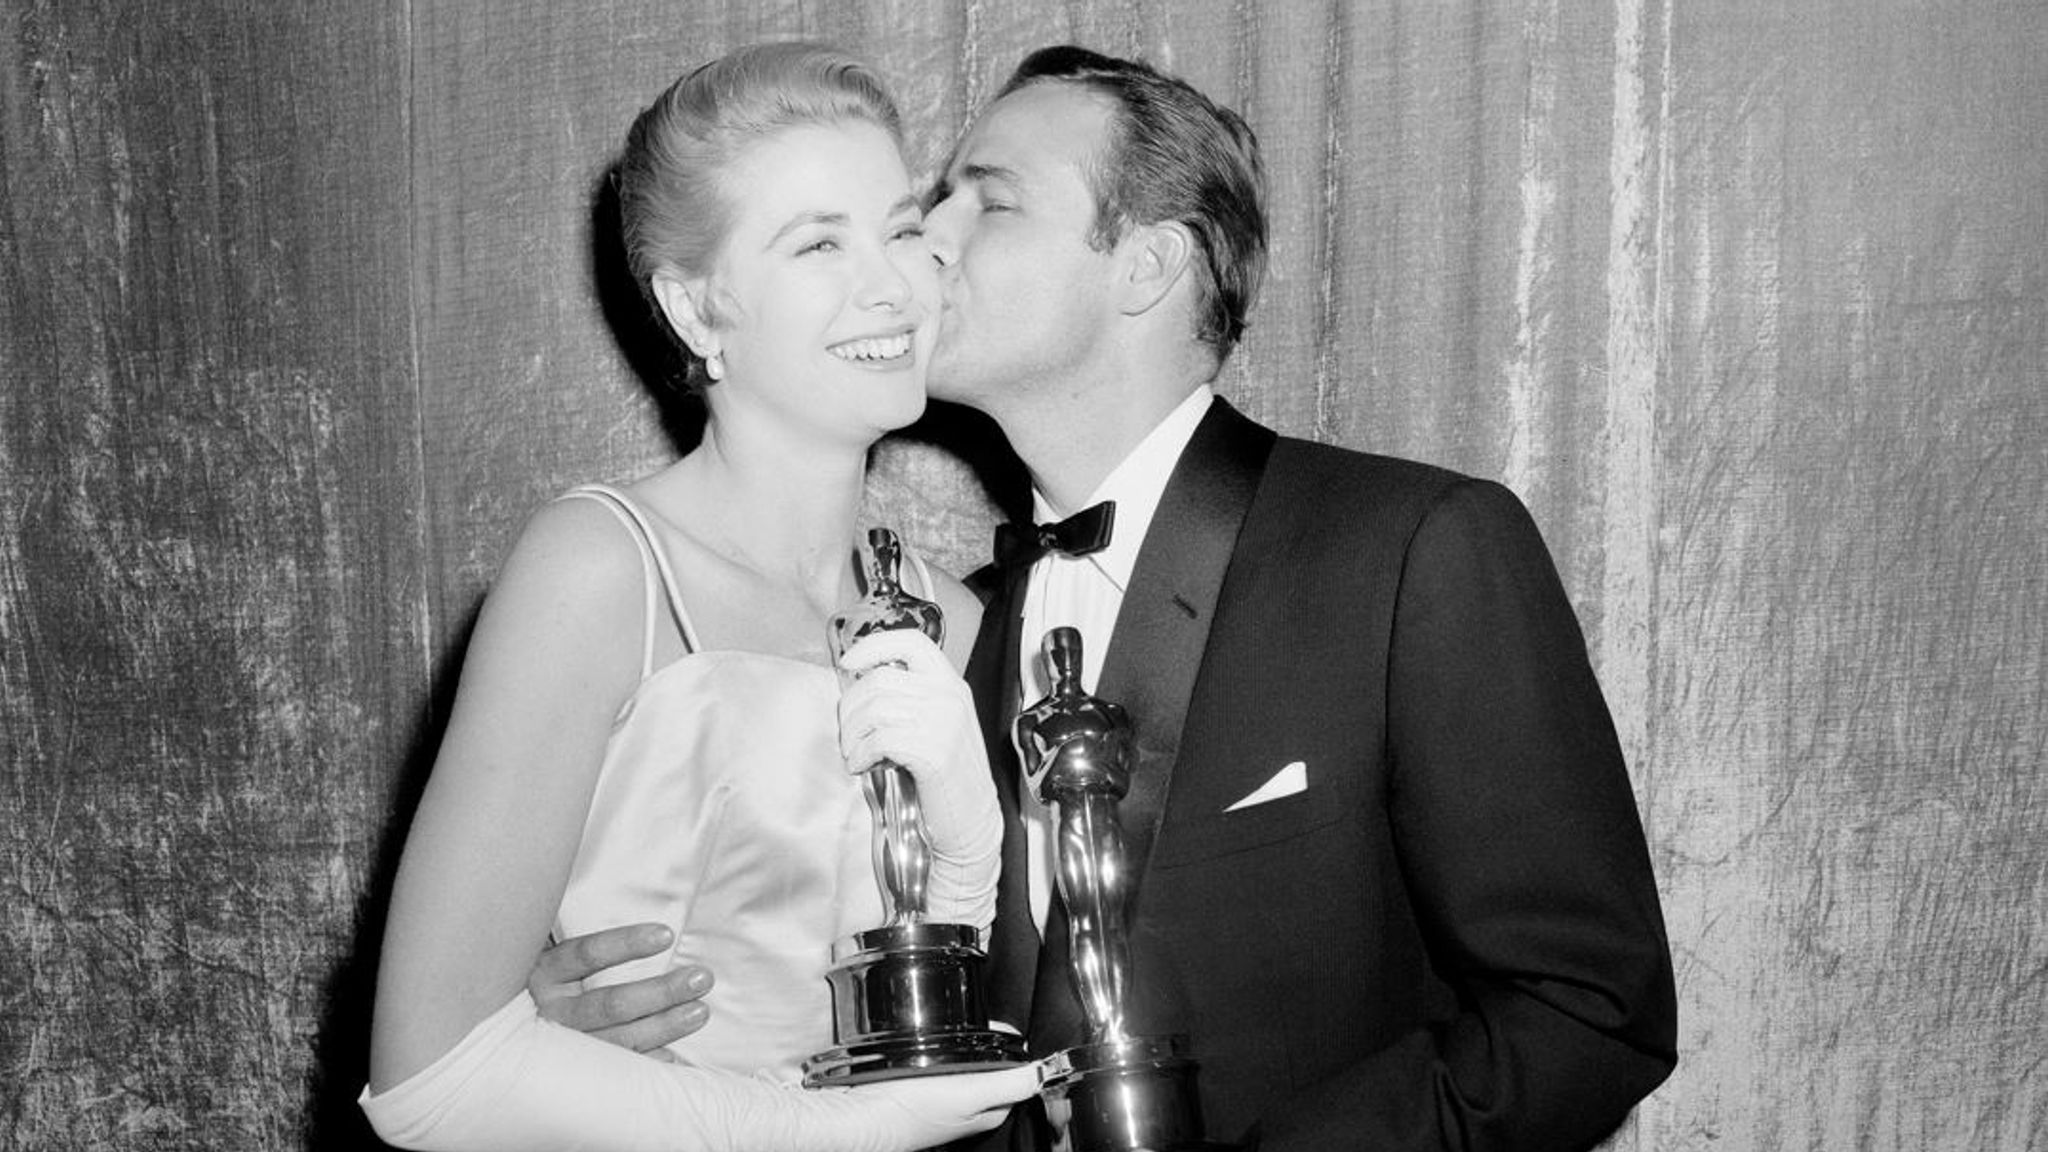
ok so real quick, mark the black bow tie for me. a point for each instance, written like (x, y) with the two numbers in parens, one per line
(1084, 532)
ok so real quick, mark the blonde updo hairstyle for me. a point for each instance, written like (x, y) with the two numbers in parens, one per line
(674, 205)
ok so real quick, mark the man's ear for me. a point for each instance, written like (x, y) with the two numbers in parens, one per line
(1156, 258)
(680, 303)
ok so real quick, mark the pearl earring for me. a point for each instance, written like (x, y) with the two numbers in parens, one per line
(714, 365)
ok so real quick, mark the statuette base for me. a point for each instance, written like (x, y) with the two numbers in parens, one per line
(907, 1000)
(1125, 1095)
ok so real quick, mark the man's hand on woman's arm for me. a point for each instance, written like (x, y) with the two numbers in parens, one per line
(642, 1015)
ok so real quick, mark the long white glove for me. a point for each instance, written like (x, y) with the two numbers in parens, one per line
(906, 703)
(517, 1083)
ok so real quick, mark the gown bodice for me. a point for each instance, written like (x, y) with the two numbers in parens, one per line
(723, 810)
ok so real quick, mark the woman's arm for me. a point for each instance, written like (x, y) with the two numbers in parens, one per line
(554, 654)
(517, 1083)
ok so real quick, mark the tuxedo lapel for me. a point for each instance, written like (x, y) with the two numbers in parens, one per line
(1163, 626)
(992, 675)
(992, 670)
(1150, 669)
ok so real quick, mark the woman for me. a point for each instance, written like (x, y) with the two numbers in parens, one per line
(645, 727)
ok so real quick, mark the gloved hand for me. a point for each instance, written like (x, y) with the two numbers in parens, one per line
(517, 1083)
(904, 702)
(925, 1111)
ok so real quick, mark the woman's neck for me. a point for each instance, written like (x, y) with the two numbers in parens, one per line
(786, 508)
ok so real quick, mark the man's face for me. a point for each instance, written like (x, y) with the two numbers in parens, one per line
(1025, 300)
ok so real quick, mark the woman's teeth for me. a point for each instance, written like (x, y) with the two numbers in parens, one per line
(874, 348)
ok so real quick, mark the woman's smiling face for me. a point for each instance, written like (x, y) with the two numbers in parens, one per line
(823, 291)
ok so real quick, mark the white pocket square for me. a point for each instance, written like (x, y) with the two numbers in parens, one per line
(1285, 782)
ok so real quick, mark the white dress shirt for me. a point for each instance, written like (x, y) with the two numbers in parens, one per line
(1086, 592)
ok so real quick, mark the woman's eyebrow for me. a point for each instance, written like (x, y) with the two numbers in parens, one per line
(803, 219)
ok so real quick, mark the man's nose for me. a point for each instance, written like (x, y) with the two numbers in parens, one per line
(940, 232)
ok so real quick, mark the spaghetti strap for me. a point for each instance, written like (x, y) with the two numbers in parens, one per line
(650, 545)
(650, 576)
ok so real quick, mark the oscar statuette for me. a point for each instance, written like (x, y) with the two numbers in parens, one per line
(1115, 1092)
(907, 997)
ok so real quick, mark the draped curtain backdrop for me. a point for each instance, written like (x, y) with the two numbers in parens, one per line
(304, 306)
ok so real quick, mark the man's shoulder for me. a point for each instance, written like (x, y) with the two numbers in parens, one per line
(1330, 472)
(1287, 461)
(1342, 499)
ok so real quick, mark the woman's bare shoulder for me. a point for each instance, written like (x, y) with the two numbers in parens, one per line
(573, 577)
(576, 538)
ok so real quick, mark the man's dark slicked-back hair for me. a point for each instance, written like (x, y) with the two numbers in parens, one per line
(1173, 154)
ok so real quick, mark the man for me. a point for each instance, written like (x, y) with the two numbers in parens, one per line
(1390, 879)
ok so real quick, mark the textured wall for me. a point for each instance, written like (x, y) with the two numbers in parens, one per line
(300, 314)
(212, 648)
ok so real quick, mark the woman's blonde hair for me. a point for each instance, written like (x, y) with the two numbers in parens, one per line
(673, 207)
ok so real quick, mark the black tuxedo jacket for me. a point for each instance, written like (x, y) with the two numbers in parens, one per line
(1451, 938)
